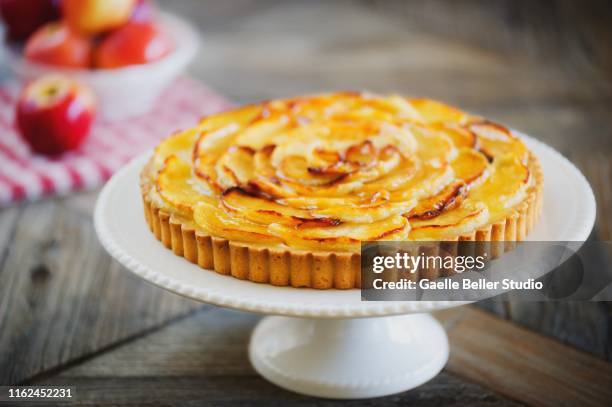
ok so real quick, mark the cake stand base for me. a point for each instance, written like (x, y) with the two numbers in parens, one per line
(349, 358)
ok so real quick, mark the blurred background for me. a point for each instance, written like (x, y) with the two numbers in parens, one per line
(69, 314)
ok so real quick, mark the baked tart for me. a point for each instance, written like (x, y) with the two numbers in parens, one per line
(285, 191)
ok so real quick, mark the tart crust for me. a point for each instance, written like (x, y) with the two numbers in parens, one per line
(286, 266)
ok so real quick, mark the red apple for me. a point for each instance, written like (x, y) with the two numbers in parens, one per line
(23, 17)
(54, 114)
(56, 44)
(134, 43)
(96, 16)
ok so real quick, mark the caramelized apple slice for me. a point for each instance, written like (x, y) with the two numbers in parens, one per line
(311, 108)
(327, 156)
(431, 111)
(315, 202)
(459, 135)
(265, 181)
(356, 157)
(465, 218)
(434, 148)
(470, 166)
(241, 117)
(295, 168)
(235, 167)
(505, 187)
(361, 154)
(495, 140)
(388, 159)
(179, 144)
(401, 137)
(344, 237)
(404, 173)
(366, 213)
(336, 169)
(175, 187)
(300, 141)
(217, 135)
(448, 198)
(402, 108)
(218, 132)
(260, 210)
(216, 222)
(270, 188)
(334, 189)
(259, 134)
(207, 152)
(426, 181)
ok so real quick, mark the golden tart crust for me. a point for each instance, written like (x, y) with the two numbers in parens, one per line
(286, 265)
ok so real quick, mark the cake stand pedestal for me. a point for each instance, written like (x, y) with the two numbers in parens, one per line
(327, 343)
(349, 358)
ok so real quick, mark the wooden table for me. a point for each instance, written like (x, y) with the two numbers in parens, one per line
(70, 315)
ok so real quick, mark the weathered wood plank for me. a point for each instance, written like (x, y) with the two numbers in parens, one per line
(444, 390)
(521, 364)
(8, 222)
(62, 297)
(374, 52)
(203, 359)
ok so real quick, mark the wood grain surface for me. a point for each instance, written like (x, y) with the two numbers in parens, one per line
(61, 295)
(209, 362)
(206, 357)
(521, 364)
(69, 314)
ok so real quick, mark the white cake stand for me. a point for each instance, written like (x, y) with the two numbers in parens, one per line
(323, 345)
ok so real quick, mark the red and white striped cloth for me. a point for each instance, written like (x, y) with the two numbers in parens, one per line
(27, 176)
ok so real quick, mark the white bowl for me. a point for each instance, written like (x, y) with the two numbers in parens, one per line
(129, 91)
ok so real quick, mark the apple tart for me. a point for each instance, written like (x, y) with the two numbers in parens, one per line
(285, 191)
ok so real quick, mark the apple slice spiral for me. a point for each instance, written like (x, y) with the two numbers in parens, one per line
(327, 172)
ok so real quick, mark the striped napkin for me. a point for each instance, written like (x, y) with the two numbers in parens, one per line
(27, 176)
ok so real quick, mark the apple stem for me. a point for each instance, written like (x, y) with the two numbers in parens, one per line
(52, 91)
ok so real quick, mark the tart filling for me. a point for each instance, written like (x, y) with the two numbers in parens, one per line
(285, 191)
